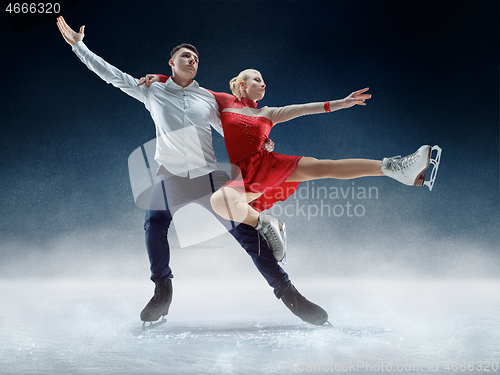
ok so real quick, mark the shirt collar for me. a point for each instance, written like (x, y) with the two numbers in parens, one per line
(171, 82)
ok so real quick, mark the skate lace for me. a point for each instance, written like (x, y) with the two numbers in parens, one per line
(398, 164)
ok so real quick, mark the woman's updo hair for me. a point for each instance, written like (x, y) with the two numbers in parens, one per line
(234, 84)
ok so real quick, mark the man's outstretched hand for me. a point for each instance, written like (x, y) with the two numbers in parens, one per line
(68, 34)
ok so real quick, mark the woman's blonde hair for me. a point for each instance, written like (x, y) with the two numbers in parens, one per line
(234, 84)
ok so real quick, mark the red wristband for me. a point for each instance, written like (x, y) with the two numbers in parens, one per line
(327, 107)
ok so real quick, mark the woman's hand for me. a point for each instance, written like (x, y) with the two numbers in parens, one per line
(268, 145)
(149, 79)
(67, 32)
(357, 97)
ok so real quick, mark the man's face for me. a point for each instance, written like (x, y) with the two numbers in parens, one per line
(184, 63)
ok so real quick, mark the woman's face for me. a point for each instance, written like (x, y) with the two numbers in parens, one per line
(254, 88)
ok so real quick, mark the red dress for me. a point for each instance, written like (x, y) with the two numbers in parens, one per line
(244, 133)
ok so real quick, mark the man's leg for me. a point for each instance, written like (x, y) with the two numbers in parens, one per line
(157, 220)
(156, 224)
(254, 244)
(263, 258)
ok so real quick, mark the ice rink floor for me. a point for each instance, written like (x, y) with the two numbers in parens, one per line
(91, 326)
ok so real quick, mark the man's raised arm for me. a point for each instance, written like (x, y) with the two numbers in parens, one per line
(107, 72)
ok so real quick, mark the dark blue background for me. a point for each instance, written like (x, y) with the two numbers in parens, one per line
(432, 68)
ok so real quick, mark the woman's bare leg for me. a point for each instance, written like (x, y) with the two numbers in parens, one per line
(233, 205)
(311, 169)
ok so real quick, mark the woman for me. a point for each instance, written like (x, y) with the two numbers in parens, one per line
(267, 177)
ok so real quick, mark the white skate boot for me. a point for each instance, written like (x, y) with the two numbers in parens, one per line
(274, 233)
(410, 169)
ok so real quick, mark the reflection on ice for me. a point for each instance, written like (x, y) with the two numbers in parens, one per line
(92, 326)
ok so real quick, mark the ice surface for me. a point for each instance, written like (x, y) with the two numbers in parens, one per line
(91, 326)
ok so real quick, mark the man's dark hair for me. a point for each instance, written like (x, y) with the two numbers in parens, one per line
(184, 45)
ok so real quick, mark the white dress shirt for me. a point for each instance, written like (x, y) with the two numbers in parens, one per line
(182, 116)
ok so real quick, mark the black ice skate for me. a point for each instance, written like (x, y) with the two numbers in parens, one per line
(158, 306)
(304, 309)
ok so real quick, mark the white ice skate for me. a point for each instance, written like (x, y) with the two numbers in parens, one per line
(274, 233)
(410, 169)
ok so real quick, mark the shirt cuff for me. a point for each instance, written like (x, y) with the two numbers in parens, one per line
(80, 48)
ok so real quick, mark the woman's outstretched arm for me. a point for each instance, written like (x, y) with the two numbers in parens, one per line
(289, 112)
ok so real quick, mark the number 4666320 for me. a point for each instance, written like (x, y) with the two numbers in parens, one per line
(33, 8)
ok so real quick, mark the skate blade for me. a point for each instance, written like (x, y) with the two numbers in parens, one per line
(435, 165)
(146, 326)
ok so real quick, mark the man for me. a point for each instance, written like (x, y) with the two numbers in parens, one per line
(183, 112)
